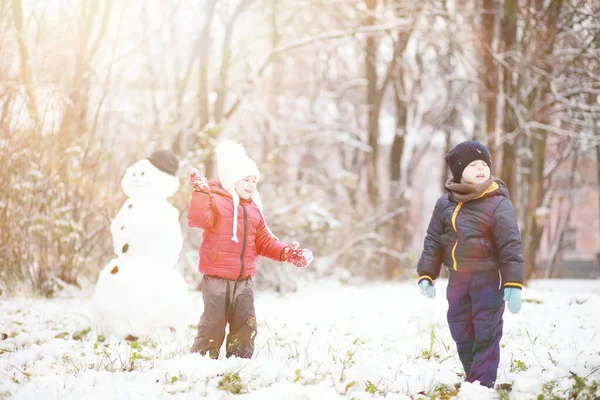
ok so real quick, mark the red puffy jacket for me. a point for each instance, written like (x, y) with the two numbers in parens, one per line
(219, 255)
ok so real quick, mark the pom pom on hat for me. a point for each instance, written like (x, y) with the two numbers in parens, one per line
(233, 164)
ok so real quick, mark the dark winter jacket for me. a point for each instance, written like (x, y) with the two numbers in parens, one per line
(219, 255)
(479, 235)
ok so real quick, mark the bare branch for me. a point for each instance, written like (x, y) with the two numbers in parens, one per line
(559, 131)
(105, 18)
(550, 169)
(374, 29)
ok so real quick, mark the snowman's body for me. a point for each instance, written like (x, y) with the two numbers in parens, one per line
(148, 227)
(136, 296)
(139, 291)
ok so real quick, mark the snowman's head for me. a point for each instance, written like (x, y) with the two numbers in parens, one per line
(145, 179)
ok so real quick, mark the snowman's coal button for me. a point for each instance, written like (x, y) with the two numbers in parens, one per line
(123, 227)
(125, 248)
(114, 270)
(130, 206)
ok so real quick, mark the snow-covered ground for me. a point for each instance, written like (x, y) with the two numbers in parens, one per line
(326, 341)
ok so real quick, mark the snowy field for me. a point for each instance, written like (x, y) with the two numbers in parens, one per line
(326, 341)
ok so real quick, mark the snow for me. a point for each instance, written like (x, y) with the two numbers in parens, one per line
(325, 341)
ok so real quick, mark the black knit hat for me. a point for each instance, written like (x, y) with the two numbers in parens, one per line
(165, 161)
(464, 154)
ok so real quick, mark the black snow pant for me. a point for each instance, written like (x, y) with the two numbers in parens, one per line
(226, 302)
(475, 309)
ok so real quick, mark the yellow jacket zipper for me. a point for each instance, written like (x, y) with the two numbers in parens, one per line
(492, 187)
(454, 215)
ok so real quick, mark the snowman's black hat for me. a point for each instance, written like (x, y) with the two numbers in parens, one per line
(165, 161)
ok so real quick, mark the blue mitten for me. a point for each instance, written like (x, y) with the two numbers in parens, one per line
(513, 298)
(427, 289)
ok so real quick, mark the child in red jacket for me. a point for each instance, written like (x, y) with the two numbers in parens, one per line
(235, 234)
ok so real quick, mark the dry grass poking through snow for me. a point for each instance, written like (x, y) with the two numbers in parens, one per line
(327, 341)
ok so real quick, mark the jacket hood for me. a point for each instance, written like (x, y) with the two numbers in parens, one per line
(502, 189)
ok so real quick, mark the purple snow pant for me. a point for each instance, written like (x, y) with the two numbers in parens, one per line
(475, 308)
(226, 302)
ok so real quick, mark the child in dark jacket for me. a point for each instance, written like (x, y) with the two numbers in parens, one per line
(474, 232)
(235, 234)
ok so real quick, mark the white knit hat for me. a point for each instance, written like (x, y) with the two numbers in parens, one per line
(233, 164)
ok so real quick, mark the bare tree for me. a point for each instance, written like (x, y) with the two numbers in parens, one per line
(26, 73)
(564, 217)
(509, 119)
(373, 102)
(92, 26)
(489, 73)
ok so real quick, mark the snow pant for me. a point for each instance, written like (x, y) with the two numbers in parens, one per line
(475, 308)
(226, 302)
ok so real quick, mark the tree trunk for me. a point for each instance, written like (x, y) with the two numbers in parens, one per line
(509, 120)
(273, 141)
(546, 31)
(398, 145)
(223, 76)
(490, 74)
(90, 35)
(563, 223)
(400, 223)
(447, 148)
(535, 196)
(372, 105)
(598, 173)
(203, 91)
(26, 73)
(225, 62)
(396, 234)
(153, 86)
(397, 75)
(182, 141)
(204, 53)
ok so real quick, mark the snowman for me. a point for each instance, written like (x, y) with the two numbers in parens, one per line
(139, 291)
(147, 224)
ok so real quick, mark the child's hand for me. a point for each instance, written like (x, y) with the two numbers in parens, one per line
(199, 182)
(513, 298)
(299, 257)
(427, 289)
